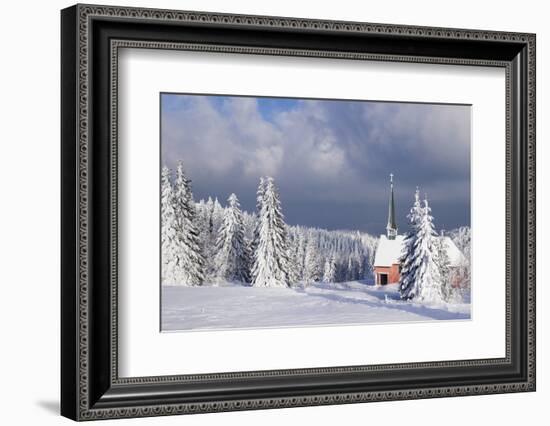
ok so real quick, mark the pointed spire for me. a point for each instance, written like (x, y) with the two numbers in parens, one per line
(391, 227)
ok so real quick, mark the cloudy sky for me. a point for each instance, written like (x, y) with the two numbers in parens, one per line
(330, 159)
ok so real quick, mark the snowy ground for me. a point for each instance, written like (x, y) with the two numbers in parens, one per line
(236, 306)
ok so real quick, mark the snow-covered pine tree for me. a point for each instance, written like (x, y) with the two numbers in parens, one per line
(293, 266)
(350, 270)
(312, 264)
(329, 273)
(358, 256)
(217, 217)
(168, 230)
(190, 260)
(202, 215)
(427, 274)
(259, 203)
(301, 252)
(355, 265)
(270, 256)
(232, 258)
(407, 285)
(249, 220)
(205, 212)
(208, 241)
(210, 215)
(444, 265)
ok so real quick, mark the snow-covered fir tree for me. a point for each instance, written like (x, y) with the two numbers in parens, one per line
(300, 238)
(312, 263)
(189, 257)
(207, 236)
(422, 269)
(427, 273)
(232, 258)
(444, 265)
(209, 216)
(350, 270)
(270, 257)
(260, 193)
(168, 228)
(329, 273)
(249, 222)
(408, 287)
(293, 261)
(217, 216)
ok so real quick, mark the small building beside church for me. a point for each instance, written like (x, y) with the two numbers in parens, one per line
(387, 268)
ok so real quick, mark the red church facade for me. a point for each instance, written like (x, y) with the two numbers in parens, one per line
(387, 274)
(387, 269)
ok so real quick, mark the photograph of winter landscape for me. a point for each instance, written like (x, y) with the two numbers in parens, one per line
(291, 212)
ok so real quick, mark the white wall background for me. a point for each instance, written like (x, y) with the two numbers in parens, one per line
(29, 213)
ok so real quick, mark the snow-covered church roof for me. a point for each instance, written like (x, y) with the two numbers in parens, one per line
(389, 251)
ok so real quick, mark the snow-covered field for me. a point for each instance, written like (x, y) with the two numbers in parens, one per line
(236, 306)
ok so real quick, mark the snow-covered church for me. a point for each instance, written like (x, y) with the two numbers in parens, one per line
(387, 269)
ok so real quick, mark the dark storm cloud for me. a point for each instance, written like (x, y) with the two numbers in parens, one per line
(330, 159)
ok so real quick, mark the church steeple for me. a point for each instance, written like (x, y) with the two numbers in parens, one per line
(391, 227)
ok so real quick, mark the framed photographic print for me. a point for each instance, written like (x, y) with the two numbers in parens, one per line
(263, 212)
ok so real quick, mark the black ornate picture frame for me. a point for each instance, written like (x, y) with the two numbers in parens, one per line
(90, 385)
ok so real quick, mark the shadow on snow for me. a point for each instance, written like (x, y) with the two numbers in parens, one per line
(389, 297)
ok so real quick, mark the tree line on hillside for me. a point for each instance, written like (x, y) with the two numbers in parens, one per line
(206, 243)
